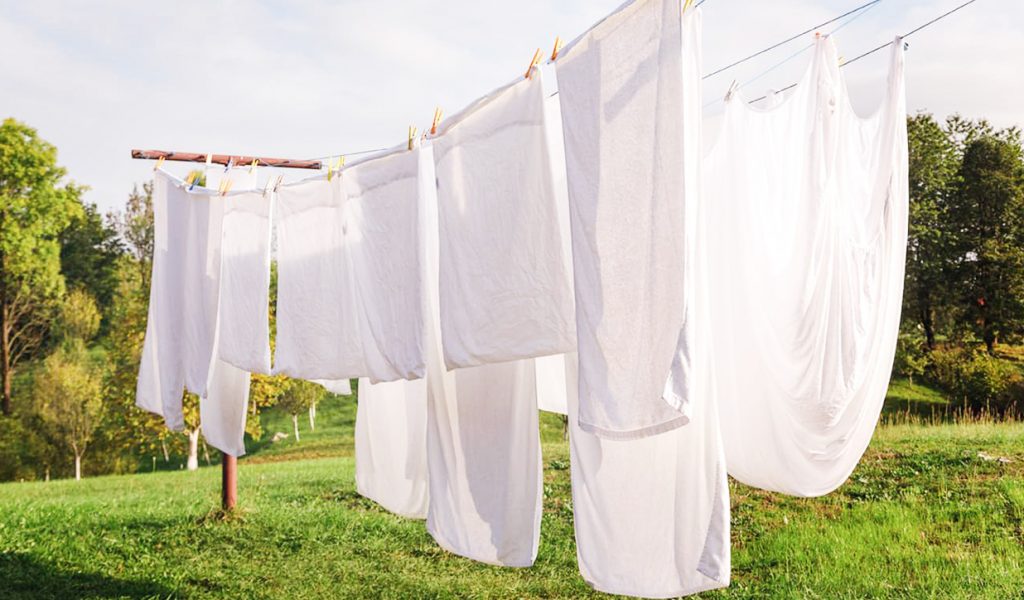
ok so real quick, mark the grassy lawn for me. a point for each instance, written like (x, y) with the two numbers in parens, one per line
(923, 516)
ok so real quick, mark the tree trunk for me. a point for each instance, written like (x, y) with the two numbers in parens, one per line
(312, 417)
(5, 357)
(193, 449)
(78, 467)
(46, 473)
(295, 425)
(163, 446)
(929, 327)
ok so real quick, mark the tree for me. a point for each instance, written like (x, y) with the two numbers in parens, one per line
(135, 225)
(79, 317)
(933, 170)
(990, 219)
(298, 396)
(34, 209)
(69, 401)
(89, 254)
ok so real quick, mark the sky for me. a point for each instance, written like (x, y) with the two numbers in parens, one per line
(310, 78)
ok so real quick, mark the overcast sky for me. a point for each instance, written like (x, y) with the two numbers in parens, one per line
(308, 78)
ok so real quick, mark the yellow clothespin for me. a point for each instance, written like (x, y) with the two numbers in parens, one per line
(533, 63)
(841, 59)
(225, 186)
(209, 159)
(557, 49)
(687, 4)
(252, 167)
(191, 177)
(437, 120)
(159, 163)
(412, 136)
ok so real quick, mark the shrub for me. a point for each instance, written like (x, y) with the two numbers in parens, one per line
(978, 381)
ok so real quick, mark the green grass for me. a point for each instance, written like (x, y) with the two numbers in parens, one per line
(923, 516)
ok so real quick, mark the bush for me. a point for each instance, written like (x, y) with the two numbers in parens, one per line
(911, 357)
(978, 381)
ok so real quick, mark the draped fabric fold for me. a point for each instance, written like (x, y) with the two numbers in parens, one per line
(807, 287)
(630, 97)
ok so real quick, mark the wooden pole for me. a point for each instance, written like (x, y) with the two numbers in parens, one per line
(228, 482)
(238, 160)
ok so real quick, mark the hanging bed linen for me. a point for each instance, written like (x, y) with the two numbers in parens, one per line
(391, 457)
(180, 350)
(807, 285)
(505, 287)
(483, 437)
(631, 121)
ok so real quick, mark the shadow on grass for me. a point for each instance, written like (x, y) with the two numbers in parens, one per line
(26, 576)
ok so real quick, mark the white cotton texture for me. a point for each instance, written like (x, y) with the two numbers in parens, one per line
(505, 290)
(629, 91)
(807, 287)
(483, 438)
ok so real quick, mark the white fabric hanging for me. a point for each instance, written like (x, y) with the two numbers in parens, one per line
(341, 387)
(244, 277)
(807, 285)
(383, 240)
(630, 97)
(391, 458)
(483, 439)
(181, 324)
(318, 334)
(245, 282)
(651, 515)
(505, 291)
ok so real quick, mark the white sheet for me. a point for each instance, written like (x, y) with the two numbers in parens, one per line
(505, 291)
(629, 91)
(383, 240)
(318, 333)
(181, 324)
(483, 439)
(391, 458)
(807, 285)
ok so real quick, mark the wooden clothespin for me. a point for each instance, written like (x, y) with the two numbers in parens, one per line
(437, 120)
(557, 49)
(533, 63)
(412, 136)
(209, 159)
(277, 184)
(252, 167)
(266, 188)
(159, 163)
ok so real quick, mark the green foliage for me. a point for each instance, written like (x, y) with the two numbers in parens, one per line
(299, 395)
(35, 208)
(68, 399)
(989, 216)
(978, 381)
(89, 254)
(911, 358)
(79, 316)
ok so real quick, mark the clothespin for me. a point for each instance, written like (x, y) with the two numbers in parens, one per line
(277, 183)
(687, 4)
(335, 165)
(252, 167)
(266, 187)
(209, 159)
(735, 85)
(533, 63)
(412, 136)
(225, 185)
(557, 49)
(437, 120)
(230, 163)
(841, 60)
(190, 179)
(159, 163)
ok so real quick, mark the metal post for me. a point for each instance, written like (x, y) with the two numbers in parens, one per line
(228, 482)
